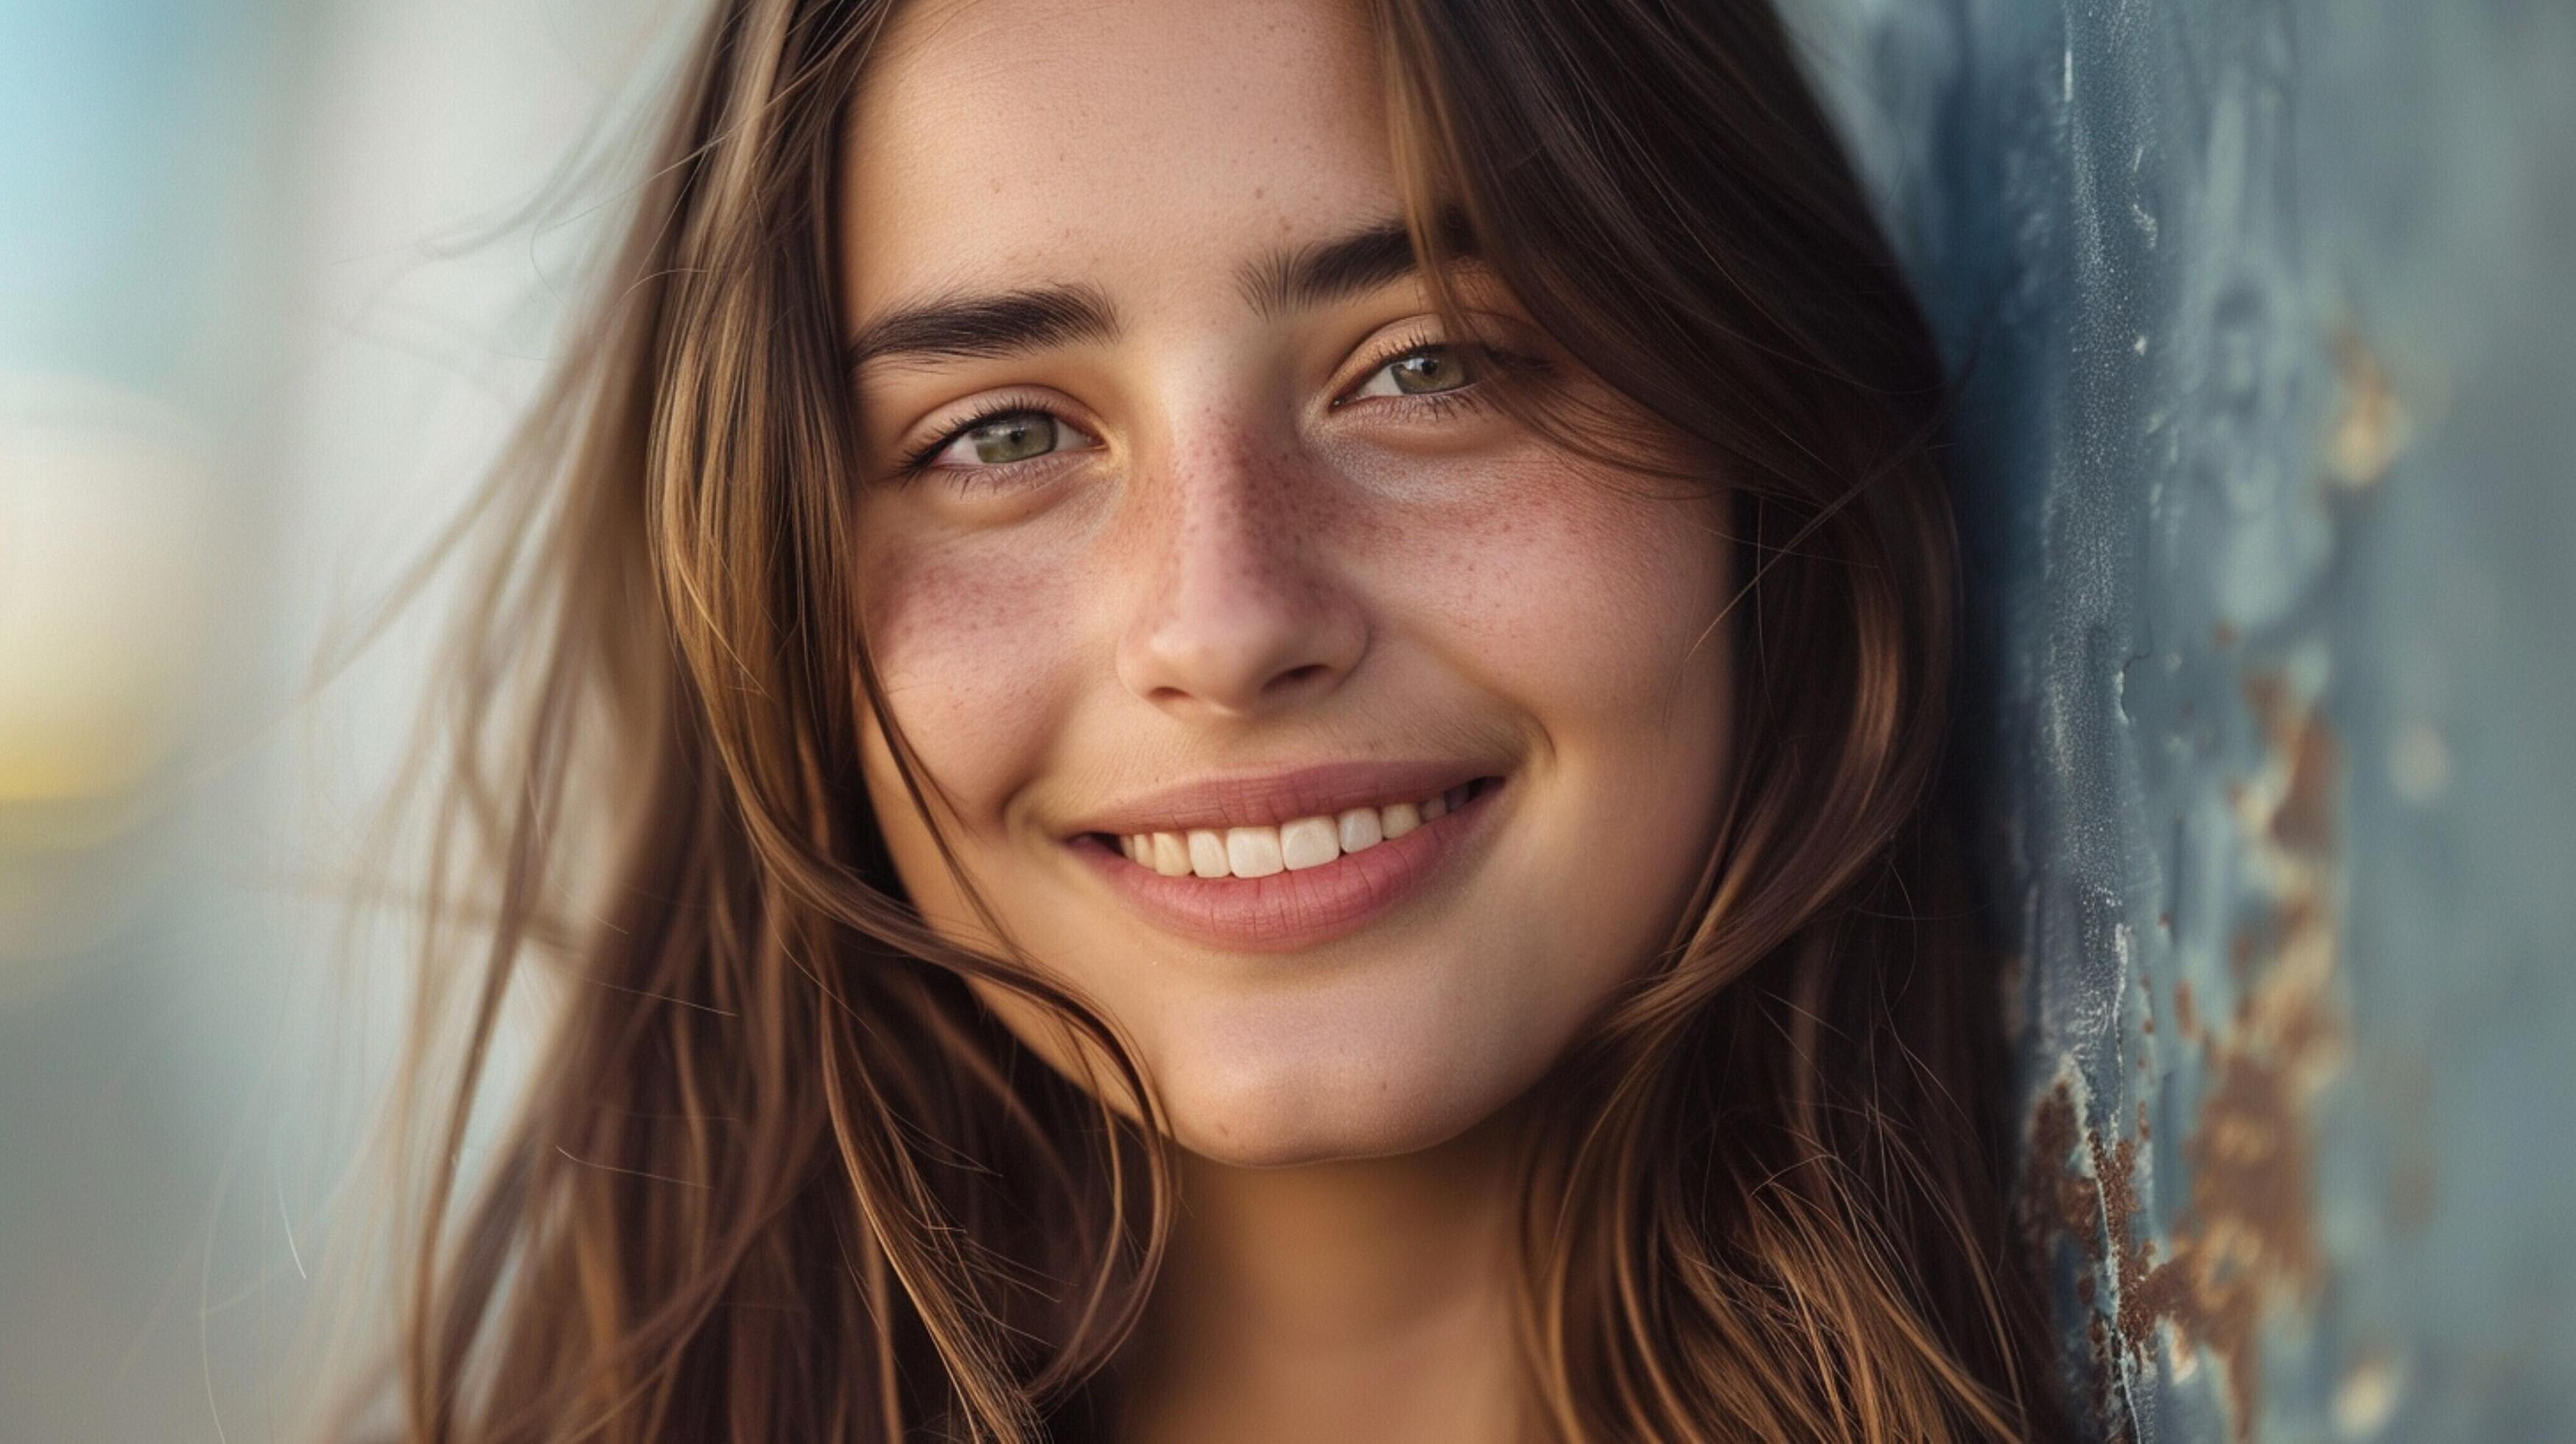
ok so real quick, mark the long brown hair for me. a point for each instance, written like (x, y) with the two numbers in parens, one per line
(776, 1174)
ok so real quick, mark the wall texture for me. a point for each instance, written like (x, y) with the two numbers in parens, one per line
(2264, 450)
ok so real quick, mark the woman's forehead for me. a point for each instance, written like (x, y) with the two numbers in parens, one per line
(1133, 145)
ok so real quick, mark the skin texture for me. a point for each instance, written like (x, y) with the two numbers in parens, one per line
(1222, 573)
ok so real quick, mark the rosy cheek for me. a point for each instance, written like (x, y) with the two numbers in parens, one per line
(972, 641)
(1553, 581)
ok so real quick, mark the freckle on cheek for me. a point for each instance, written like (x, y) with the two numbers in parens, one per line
(1539, 555)
(961, 644)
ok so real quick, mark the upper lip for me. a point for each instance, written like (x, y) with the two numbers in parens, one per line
(1267, 799)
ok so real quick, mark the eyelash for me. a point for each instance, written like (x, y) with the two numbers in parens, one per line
(917, 461)
(1438, 405)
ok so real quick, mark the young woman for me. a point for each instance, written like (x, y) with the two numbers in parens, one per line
(1222, 717)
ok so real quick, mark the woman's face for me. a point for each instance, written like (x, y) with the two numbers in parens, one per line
(1181, 525)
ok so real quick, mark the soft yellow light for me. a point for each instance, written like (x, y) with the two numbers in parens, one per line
(103, 512)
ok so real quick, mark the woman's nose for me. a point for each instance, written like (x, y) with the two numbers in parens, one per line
(1240, 611)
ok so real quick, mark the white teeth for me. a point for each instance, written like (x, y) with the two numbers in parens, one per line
(1295, 846)
(1359, 829)
(1396, 821)
(1309, 842)
(1207, 854)
(1253, 851)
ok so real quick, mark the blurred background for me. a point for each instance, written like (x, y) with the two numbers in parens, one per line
(2263, 311)
(275, 276)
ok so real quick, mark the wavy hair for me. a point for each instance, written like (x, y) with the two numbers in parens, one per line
(775, 1173)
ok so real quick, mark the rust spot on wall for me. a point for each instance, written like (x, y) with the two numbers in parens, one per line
(2371, 426)
(2302, 817)
(2057, 1200)
(2245, 1242)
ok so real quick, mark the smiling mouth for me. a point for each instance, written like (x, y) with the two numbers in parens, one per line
(1299, 845)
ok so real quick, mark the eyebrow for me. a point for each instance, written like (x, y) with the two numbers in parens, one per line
(1313, 275)
(1350, 265)
(958, 326)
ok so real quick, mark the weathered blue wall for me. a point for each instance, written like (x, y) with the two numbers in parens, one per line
(2268, 459)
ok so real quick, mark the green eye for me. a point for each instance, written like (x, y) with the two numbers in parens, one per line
(1016, 437)
(1427, 371)
(1003, 437)
(1423, 371)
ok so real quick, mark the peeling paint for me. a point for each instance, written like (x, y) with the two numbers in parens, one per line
(2260, 309)
(2245, 1245)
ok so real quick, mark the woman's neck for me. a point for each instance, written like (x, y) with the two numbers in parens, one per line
(1355, 1301)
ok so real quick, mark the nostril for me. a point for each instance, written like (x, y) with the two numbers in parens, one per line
(1296, 678)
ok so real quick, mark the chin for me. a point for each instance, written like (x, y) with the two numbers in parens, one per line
(1273, 1104)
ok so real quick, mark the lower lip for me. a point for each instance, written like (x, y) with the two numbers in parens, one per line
(1290, 910)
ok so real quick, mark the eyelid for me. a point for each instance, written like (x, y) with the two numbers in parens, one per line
(1481, 357)
(916, 460)
(1410, 338)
